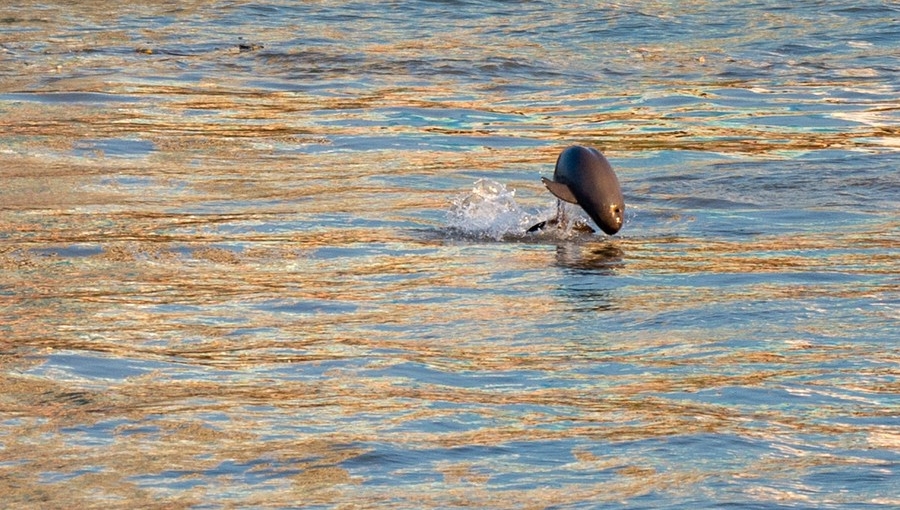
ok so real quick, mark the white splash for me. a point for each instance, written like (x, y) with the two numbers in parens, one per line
(490, 211)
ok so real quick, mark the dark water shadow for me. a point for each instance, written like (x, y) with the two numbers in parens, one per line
(590, 267)
(597, 257)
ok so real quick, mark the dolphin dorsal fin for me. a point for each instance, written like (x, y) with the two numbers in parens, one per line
(560, 190)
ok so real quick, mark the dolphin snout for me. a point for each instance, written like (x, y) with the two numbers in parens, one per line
(617, 217)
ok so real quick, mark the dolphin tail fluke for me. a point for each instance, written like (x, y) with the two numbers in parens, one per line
(539, 226)
(559, 221)
(560, 190)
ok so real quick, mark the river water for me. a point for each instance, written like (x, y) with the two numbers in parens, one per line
(273, 255)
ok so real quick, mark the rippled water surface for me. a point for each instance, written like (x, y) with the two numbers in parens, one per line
(272, 255)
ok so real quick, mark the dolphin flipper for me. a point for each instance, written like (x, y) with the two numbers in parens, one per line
(560, 190)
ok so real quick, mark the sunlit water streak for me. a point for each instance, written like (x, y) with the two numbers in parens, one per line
(273, 255)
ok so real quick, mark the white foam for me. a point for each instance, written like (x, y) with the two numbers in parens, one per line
(490, 211)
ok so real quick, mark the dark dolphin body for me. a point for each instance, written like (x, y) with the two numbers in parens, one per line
(584, 177)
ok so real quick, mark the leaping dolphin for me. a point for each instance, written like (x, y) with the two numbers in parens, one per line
(584, 177)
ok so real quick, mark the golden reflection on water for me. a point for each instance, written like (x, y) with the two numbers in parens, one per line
(157, 288)
(125, 260)
(108, 304)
